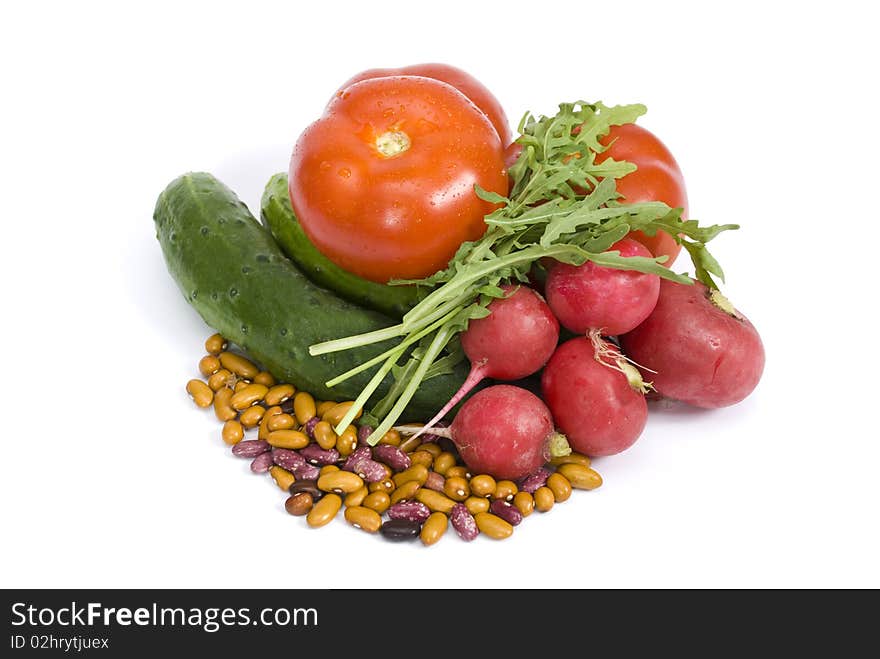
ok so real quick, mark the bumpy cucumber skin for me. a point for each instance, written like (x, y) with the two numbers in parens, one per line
(230, 269)
(278, 216)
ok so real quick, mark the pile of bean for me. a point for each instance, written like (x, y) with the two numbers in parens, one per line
(420, 484)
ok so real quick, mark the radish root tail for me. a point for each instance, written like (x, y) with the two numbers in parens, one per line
(617, 361)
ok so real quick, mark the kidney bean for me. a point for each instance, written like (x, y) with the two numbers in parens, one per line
(262, 463)
(400, 530)
(287, 458)
(506, 511)
(317, 455)
(364, 433)
(392, 456)
(307, 472)
(534, 481)
(309, 427)
(308, 486)
(435, 481)
(361, 462)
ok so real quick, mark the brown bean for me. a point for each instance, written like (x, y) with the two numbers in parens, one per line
(476, 505)
(334, 414)
(543, 499)
(241, 366)
(282, 422)
(323, 406)
(436, 501)
(431, 447)
(456, 488)
(219, 379)
(324, 435)
(215, 344)
(324, 511)
(346, 443)
(483, 485)
(391, 438)
(264, 422)
(410, 444)
(434, 528)
(208, 365)
(222, 409)
(378, 501)
(239, 385)
(252, 416)
(405, 492)
(363, 518)
(200, 393)
(458, 471)
(415, 473)
(328, 469)
(283, 478)
(443, 462)
(386, 485)
(493, 526)
(340, 481)
(580, 476)
(571, 459)
(248, 395)
(265, 378)
(357, 497)
(293, 439)
(524, 502)
(299, 504)
(309, 486)
(233, 432)
(505, 490)
(421, 458)
(560, 486)
(304, 407)
(280, 393)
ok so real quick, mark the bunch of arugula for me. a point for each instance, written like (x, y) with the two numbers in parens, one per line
(562, 205)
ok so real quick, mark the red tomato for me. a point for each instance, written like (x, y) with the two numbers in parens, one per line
(657, 178)
(383, 183)
(462, 81)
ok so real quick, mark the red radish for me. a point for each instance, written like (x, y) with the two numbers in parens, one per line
(504, 431)
(595, 396)
(704, 352)
(515, 340)
(589, 296)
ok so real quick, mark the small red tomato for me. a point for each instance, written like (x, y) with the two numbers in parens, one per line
(383, 183)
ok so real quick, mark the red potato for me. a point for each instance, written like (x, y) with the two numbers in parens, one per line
(613, 301)
(515, 340)
(702, 351)
(597, 406)
(504, 431)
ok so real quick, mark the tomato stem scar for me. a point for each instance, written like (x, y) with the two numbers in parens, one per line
(392, 143)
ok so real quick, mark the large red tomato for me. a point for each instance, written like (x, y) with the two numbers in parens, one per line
(657, 178)
(383, 183)
(461, 80)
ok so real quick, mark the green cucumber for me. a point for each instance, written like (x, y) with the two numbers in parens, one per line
(232, 271)
(279, 218)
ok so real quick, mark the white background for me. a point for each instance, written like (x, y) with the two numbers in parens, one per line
(110, 476)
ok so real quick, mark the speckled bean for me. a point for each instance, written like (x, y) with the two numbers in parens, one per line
(250, 448)
(363, 434)
(361, 463)
(287, 458)
(534, 481)
(463, 522)
(392, 456)
(316, 455)
(262, 463)
(435, 481)
(413, 511)
(307, 472)
(310, 425)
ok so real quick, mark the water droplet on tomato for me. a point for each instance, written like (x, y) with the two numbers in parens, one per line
(345, 172)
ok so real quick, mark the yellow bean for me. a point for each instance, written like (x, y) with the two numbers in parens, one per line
(222, 408)
(241, 366)
(304, 407)
(431, 447)
(324, 511)
(283, 478)
(458, 471)
(248, 395)
(421, 458)
(443, 462)
(456, 488)
(347, 441)
(436, 501)
(357, 497)
(208, 365)
(414, 473)
(252, 416)
(433, 528)
(215, 344)
(233, 432)
(292, 439)
(326, 469)
(571, 459)
(200, 393)
(392, 438)
(378, 501)
(476, 505)
(219, 379)
(334, 415)
(543, 499)
(264, 422)
(524, 502)
(281, 422)
(265, 378)
(324, 406)
(405, 492)
(363, 518)
(505, 490)
(560, 486)
(493, 526)
(324, 435)
(581, 477)
(280, 393)
(483, 485)
(340, 482)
